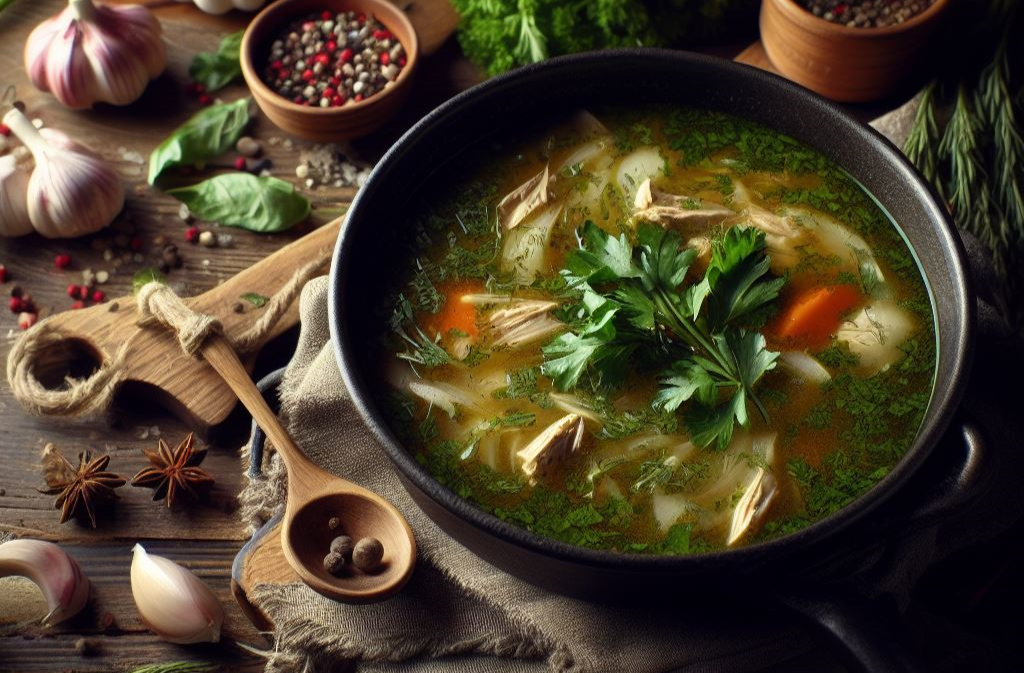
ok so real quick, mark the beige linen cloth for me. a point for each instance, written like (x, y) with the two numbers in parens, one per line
(460, 614)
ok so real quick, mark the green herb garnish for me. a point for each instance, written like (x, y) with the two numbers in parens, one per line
(641, 300)
(257, 300)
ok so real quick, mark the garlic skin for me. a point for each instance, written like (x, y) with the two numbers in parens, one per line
(13, 198)
(174, 603)
(71, 192)
(65, 587)
(224, 6)
(96, 53)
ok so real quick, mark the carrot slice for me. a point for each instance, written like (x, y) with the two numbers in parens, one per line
(815, 314)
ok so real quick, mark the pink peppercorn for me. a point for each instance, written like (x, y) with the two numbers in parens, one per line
(73, 291)
(346, 55)
(77, 305)
(3, 273)
(192, 234)
(5, 130)
(205, 100)
(98, 296)
(62, 261)
(240, 164)
(16, 304)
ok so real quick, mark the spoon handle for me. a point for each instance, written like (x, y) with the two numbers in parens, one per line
(220, 354)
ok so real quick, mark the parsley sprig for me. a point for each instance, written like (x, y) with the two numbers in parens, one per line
(638, 303)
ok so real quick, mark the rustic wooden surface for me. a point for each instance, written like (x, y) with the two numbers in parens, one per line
(206, 537)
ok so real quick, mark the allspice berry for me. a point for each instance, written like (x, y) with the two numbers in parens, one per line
(342, 545)
(334, 563)
(367, 554)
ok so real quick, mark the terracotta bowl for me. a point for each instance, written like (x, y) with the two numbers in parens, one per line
(842, 63)
(353, 120)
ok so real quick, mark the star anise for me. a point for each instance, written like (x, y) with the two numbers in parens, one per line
(81, 490)
(174, 471)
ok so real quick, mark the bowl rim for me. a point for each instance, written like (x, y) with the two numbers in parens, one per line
(929, 435)
(283, 7)
(798, 14)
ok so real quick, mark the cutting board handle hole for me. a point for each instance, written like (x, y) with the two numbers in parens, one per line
(70, 357)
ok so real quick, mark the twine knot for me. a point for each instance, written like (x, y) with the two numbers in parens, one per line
(159, 304)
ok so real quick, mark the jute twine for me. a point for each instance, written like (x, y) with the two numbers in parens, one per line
(157, 303)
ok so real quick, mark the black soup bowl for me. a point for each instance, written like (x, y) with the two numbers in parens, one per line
(365, 262)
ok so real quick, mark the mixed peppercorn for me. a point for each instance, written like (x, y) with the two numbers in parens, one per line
(866, 13)
(331, 60)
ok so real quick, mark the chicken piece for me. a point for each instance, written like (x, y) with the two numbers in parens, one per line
(526, 198)
(673, 210)
(876, 333)
(555, 443)
(523, 321)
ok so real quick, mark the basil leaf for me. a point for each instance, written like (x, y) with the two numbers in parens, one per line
(246, 201)
(215, 70)
(207, 134)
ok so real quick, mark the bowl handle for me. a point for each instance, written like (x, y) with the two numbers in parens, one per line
(962, 473)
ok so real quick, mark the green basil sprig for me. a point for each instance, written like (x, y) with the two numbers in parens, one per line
(207, 134)
(243, 200)
(216, 69)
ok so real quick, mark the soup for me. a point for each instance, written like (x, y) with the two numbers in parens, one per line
(668, 332)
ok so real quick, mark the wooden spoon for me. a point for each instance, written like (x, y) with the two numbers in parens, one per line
(315, 496)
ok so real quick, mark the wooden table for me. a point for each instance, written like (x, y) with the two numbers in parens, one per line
(206, 537)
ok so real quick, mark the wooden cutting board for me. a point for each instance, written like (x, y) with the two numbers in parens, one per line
(261, 560)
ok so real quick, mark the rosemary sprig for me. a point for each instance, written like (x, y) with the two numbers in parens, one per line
(996, 102)
(959, 146)
(179, 667)
(920, 145)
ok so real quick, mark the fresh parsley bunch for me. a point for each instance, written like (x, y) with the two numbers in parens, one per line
(500, 35)
(638, 306)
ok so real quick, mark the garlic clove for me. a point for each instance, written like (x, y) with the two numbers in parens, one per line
(65, 587)
(14, 220)
(174, 603)
(71, 192)
(92, 53)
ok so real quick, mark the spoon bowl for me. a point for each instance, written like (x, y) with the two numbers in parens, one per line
(315, 496)
(307, 539)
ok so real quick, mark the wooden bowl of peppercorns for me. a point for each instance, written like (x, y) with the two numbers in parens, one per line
(850, 51)
(329, 70)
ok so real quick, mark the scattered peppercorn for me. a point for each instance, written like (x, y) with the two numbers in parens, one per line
(866, 13)
(16, 304)
(240, 164)
(77, 305)
(26, 320)
(5, 130)
(207, 239)
(334, 523)
(73, 291)
(3, 273)
(98, 296)
(62, 261)
(333, 61)
(205, 100)
(192, 234)
(334, 563)
(367, 554)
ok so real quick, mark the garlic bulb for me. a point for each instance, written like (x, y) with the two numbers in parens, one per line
(13, 198)
(96, 53)
(58, 576)
(173, 602)
(224, 6)
(72, 191)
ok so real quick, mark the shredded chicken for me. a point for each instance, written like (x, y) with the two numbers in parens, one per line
(555, 443)
(523, 321)
(526, 198)
(671, 209)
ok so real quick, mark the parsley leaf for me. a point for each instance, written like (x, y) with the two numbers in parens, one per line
(638, 304)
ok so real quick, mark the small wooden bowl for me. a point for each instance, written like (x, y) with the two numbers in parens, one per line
(353, 120)
(846, 64)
